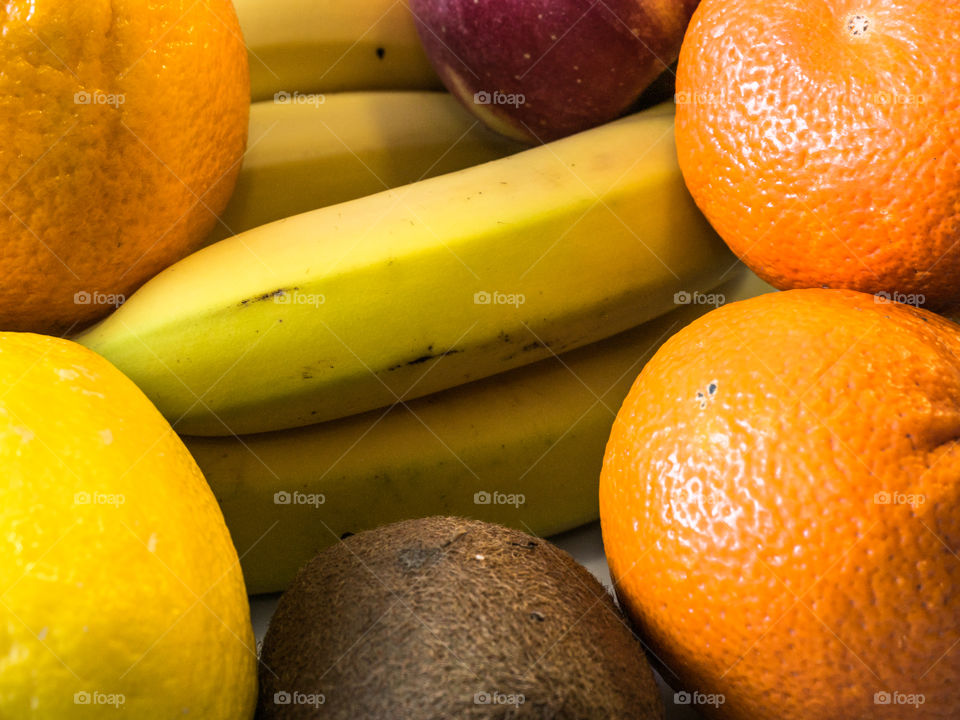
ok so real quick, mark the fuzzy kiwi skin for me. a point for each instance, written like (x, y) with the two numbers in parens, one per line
(422, 619)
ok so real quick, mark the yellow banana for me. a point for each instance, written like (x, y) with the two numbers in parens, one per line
(313, 46)
(305, 155)
(523, 448)
(414, 290)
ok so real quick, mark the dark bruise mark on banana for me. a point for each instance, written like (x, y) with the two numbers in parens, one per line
(424, 358)
(267, 296)
(529, 347)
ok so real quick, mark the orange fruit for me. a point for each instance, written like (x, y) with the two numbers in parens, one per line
(122, 127)
(781, 513)
(822, 140)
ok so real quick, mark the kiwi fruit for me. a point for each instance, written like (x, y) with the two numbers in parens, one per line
(446, 618)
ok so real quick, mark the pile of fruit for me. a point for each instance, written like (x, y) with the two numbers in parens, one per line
(358, 301)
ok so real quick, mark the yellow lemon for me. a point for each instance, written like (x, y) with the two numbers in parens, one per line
(119, 584)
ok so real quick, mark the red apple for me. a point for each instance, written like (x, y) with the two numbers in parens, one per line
(536, 70)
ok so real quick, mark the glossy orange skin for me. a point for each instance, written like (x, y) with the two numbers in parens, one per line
(743, 528)
(822, 140)
(123, 126)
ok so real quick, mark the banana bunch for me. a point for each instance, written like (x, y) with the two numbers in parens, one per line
(410, 291)
(523, 449)
(321, 46)
(402, 313)
(334, 148)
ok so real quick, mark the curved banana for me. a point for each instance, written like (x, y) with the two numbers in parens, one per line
(319, 46)
(303, 156)
(398, 295)
(523, 448)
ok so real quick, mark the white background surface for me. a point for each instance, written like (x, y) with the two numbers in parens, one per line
(584, 544)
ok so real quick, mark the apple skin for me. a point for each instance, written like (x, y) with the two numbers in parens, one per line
(575, 63)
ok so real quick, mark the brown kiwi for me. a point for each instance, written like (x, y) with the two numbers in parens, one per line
(446, 618)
